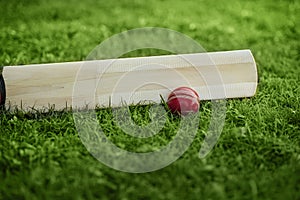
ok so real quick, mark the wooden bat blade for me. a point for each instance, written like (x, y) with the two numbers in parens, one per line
(214, 75)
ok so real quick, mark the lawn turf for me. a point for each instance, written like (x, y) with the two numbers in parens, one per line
(258, 153)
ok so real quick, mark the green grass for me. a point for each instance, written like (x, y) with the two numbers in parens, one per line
(258, 153)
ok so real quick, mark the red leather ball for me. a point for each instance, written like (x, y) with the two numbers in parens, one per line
(183, 100)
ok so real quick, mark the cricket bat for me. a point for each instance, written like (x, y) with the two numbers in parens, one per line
(111, 82)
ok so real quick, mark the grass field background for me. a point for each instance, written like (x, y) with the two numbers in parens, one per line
(258, 153)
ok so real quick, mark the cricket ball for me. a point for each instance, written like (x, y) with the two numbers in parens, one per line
(183, 100)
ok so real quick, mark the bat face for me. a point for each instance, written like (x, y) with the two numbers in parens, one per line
(231, 74)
